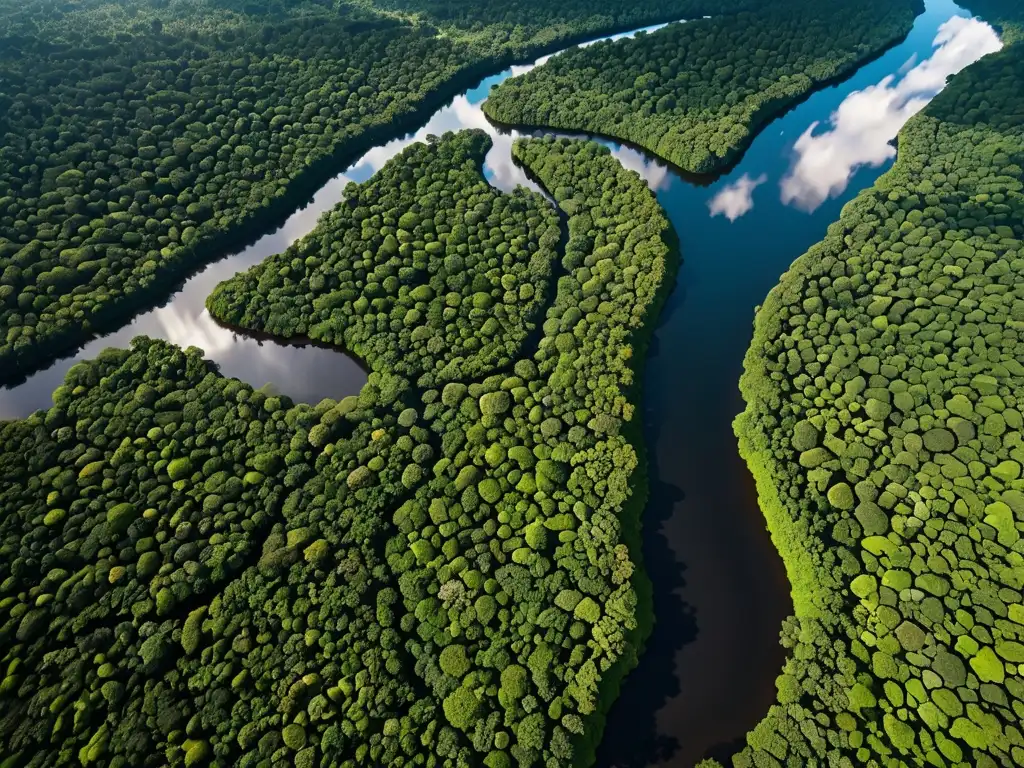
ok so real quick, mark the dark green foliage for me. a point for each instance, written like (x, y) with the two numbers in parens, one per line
(92, 599)
(695, 93)
(512, 22)
(398, 272)
(908, 598)
(272, 585)
(140, 138)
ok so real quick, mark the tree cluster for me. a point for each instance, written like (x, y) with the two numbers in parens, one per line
(426, 270)
(695, 93)
(140, 495)
(433, 572)
(518, 23)
(885, 392)
(139, 139)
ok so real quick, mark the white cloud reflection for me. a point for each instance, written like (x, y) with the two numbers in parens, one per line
(908, 64)
(737, 198)
(860, 130)
(652, 171)
(304, 373)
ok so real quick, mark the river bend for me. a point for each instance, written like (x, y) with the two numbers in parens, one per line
(720, 591)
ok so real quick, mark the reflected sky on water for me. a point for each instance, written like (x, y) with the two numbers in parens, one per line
(861, 130)
(708, 672)
(736, 198)
(305, 373)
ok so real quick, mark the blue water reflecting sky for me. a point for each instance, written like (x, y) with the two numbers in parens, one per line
(810, 156)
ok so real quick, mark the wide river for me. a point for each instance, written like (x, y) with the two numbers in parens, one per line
(720, 591)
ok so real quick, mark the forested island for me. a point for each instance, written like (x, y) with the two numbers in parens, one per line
(695, 93)
(884, 389)
(435, 572)
(425, 271)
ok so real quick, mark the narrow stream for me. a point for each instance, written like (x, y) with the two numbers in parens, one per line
(720, 592)
(305, 372)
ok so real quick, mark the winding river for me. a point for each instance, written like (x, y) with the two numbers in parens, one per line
(720, 591)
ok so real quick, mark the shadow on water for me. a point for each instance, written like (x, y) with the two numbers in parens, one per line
(708, 672)
(720, 591)
(651, 685)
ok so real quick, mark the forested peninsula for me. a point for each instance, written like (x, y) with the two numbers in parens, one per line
(884, 391)
(444, 570)
(141, 138)
(696, 93)
(438, 571)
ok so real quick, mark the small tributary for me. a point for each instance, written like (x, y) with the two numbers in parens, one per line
(720, 591)
(305, 372)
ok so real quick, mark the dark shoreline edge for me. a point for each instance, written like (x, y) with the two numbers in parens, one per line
(16, 366)
(299, 342)
(762, 118)
(631, 516)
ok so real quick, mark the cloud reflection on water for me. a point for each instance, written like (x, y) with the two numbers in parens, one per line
(186, 322)
(861, 129)
(737, 198)
(304, 373)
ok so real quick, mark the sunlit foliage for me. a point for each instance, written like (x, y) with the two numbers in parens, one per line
(696, 93)
(433, 572)
(884, 425)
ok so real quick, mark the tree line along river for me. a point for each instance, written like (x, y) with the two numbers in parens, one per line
(720, 591)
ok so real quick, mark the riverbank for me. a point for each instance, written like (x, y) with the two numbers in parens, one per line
(680, 149)
(181, 318)
(18, 364)
(633, 512)
(719, 587)
(722, 593)
(861, 454)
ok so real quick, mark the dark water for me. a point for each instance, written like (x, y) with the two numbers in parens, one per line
(720, 591)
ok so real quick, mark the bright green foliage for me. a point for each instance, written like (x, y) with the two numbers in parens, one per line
(461, 708)
(840, 496)
(906, 594)
(119, 518)
(453, 661)
(142, 137)
(294, 737)
(695, 93)
(179, 469)
(295, 590)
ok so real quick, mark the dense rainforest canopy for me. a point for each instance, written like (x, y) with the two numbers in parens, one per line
(442, 570)
(426, 270)
(140, 138)
(885, 392)
(432, 573)
(696, 93)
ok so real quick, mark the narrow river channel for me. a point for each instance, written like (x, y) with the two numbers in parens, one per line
(720, 591)
(306, 373)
